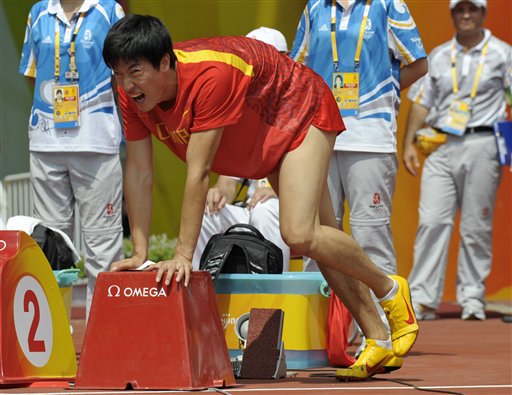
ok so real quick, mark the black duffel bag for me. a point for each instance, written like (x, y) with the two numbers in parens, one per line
(245, 251)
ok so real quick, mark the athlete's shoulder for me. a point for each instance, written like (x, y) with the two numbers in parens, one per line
(211, 43)
(221, 47)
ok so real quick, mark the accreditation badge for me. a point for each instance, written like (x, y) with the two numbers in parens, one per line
(345, 87)
(456, 121)
(66, 109)
(263, 183)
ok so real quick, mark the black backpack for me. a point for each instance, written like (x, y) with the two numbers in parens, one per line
(241, 252)
(54, 246)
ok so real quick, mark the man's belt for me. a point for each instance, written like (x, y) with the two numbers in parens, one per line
(479, 129)
(474, 129)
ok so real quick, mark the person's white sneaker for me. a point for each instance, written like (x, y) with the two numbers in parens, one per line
(473, 313)
(424, 313)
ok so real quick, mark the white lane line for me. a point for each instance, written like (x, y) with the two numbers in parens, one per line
(308, 389)
(369, 388)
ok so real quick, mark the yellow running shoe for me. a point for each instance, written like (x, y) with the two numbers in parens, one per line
(394, 363)
(373, 360)
(401, 318)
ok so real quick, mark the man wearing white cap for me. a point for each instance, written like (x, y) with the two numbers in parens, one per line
(260, 207)
(270, 36)
(461, 98)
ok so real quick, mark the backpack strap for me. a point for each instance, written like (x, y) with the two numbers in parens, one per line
(245, 226)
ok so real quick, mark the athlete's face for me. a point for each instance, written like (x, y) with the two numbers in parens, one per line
(467, 17)
(145, 84)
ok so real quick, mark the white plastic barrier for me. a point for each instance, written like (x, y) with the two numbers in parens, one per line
(16, 199)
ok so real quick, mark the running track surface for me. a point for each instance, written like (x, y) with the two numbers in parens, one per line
(451, 356)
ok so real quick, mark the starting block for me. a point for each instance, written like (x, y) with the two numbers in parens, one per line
(264, 356)
(35, 341)
(148, 335)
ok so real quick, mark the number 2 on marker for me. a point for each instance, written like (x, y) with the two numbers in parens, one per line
(33, 344)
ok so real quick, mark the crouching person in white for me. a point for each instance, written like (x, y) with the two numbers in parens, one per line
(260, 209)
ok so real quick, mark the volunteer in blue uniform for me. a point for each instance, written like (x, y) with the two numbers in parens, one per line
(74, 139)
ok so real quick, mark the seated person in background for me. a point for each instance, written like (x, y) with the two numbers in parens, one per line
(261, 206)
(270, 36)
(260, 209)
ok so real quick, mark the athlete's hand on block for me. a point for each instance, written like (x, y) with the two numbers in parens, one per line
(178, 265)
(132, 263)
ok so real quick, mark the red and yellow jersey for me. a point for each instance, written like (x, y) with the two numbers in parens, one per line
(264, 101)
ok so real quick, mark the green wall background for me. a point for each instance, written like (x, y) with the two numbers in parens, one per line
(15, 91)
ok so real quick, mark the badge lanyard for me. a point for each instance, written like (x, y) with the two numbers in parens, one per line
(66, 109)
(459, 113)
(478, 73)
(73, 75)
(359, 47)
(345, 85)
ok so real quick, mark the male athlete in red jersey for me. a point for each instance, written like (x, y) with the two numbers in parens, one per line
(233, 83)
(238, 107)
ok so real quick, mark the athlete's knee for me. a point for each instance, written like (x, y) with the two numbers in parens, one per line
(299, 239)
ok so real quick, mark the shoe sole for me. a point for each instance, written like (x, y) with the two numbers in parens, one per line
(389, 369)
(348, 379)
(381, 370)
(385, 370)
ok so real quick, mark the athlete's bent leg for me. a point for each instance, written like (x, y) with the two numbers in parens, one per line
(301, 205)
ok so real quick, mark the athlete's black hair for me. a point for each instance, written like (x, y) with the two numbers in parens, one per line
(137, 37)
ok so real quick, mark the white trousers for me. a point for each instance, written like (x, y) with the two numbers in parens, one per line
(264, 216)
(463, 173)
(94, 182)
(366, 180)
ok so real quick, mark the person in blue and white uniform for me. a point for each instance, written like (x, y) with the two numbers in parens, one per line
(74, 129)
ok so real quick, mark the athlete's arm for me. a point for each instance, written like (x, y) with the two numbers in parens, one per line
(412, 72)
(201, 151)
(222, 193)
(415, 121)
(138, 191)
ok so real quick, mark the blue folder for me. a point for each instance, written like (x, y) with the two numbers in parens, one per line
(503, 134)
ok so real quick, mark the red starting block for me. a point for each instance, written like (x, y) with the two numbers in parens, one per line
(150, 336)
(35, 341)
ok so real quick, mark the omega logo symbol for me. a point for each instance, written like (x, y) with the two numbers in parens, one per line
(116, 291)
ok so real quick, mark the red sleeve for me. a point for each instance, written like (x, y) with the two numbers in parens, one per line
(219, 97)
(134, 128)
